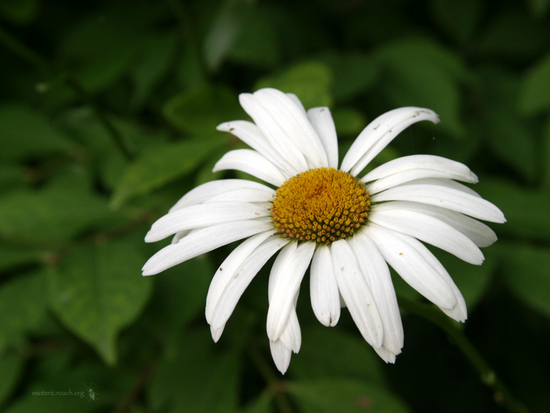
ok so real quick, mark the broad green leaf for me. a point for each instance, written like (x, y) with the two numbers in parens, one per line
(161, 165)
(153, 62)
(26, 133)
(258, 44)
(43, 403)
(458, 19)
(534, 97)
(310, 81)
(511, 33)
(23, 303)
(54, 214)
(331, 352)
(526, 270)
(348, 121)
(344, 396)
(352, 74)
(96, 290)
(539, 8)
(11, 257)
(200, 110)
(189, 382)
(546, 156)
(179, 297)
(11, 368)
(263, 404)
(224, 31)
(423, 73)
(525, 209)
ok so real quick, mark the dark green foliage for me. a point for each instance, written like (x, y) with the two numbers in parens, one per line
(108, 112)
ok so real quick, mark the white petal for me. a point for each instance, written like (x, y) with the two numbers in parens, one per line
(291, 120)
(399, 218)
(270, 128)
(250, 134)
(284, 283)
(252, 163)
(385, 354)
(379, 133)
(378, 277)
(281, 355)
(297, 101)
(322, 122)
(211, 189)
(264, 194)
(356, 293)
(445, 194)
(204, 215)
(459, 312)
(228, 269)
(292, 336)
(325, 298)
(412, 267)
(242, 278)
(203, 240)
(478, 232)
(409, 168)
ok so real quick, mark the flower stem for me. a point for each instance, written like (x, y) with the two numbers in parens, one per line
(488, 376)
(275, 386)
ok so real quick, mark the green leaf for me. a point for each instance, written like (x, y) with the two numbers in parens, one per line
(546, 156)
(40, 403)
(525, 209)
(26, 133)
(161, 165)
(189, 381)
(352, 74)
(458, 19)
(310, 81)
(11, 368)
(263, 404)
(97, 290)
(328, 352)
(526, 271)
(224, 32)
(344, 396)
(199, 111)
(54, 214)
(534, 97)
(23, 302)
(423, 73)
(11, 257)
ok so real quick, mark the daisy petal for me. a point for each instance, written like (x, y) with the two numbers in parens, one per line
(250, 134)
(204, 215)
(412, 267)
(478, 232)
(228, 268)
(400, 218)
(211, 189)
(379, 133)
(325, 298)
(356, 293)
(444, 194)
(264, 194)
(284, 282)
(281, 355)
(409, 168)
(378, 277)
(252, 163)
(203, 240)
(241, 279)
(459, 312)
(269, 127)
(292, 336)
(385, 354)
(322, 122)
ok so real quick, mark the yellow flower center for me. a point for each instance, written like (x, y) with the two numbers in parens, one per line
(322, 205)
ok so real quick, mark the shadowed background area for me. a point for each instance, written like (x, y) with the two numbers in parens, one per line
(108, 112)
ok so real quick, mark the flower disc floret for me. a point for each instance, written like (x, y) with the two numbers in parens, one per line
(322, 205)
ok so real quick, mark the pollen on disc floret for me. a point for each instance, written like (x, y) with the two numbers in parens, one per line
(322, 205)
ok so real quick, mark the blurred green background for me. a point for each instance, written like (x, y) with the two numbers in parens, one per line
(107, 116)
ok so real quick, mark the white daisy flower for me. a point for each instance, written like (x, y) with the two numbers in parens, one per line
(348, 227)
